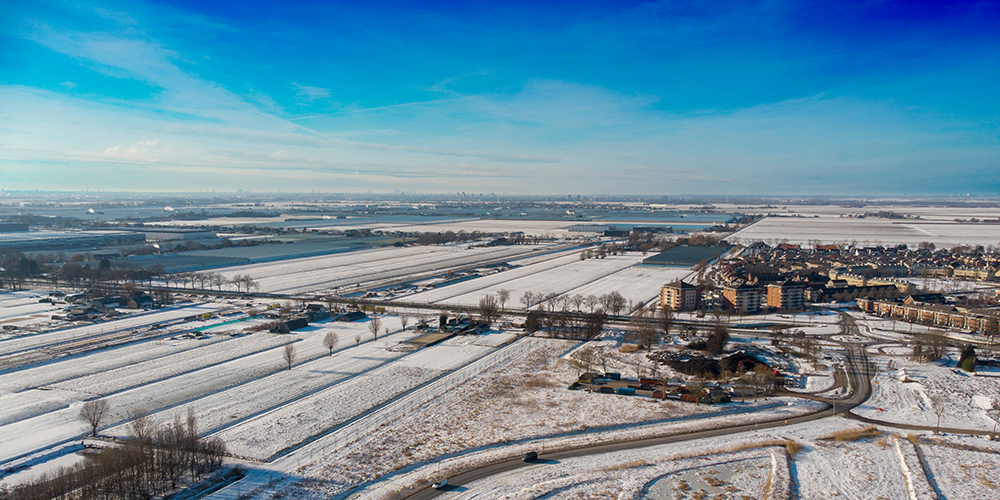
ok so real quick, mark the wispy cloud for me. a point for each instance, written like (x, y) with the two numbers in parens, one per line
(306, 94)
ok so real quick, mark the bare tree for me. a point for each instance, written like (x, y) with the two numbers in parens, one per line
(489, 308)
(761, 379)
(192, 425)
(592, 301)
(995, 410)
(527, 299)
(404, 320)
(583, 358)
(218, 280)
(666, 316)
(577, 301)
(375, 323)
(357, 340)
(93, 412)
(330, 341)
(289, 354)
(249, 282)
(503, 295)
(647, 334)
(140, 427)
(937, 401)
(614, 302)
(330, 301)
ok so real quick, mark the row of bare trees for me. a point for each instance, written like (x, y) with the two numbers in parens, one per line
(612, 303)
(150, 462)
(206, 281)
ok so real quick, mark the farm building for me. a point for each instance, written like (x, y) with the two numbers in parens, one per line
(290, 325)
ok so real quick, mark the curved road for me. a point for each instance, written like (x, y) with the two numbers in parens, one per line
(859, 371)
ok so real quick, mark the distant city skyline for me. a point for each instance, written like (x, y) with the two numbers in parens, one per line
(796, 98)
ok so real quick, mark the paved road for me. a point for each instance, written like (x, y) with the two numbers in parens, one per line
(859, 371)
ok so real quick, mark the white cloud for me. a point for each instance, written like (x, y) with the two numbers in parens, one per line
(68, 85)
(142, 150)
(309, 94)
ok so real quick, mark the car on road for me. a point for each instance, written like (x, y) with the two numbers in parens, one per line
(440, 485)
(530, 456)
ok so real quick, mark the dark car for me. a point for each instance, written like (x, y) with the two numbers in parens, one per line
(530, 456)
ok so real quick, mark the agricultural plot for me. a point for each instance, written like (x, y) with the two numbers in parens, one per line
(366, 267)
(830, 230)
(136, 321)
(140, 380)
(512, 404)
(269, 433)
(856, 470)
(565, 275)
(20, 308)
(492, 283)
(95, 362)
(962, 468)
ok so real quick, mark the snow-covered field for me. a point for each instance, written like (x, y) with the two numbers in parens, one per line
(131, 322)
(912, 392)
(829, 230)
(565, 275)
(20, 307)
(515, 402)
(922, 210)
(368, 266)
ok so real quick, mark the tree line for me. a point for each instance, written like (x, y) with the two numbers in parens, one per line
(150, 462)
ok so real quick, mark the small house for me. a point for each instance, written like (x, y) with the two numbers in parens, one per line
(316, 312)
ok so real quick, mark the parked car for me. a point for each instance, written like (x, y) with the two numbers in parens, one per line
(530, 456)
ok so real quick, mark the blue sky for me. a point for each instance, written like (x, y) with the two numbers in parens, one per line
(812, 98)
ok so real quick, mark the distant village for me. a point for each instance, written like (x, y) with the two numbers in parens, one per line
(887, 281)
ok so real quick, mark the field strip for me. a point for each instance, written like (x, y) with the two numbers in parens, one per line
(447, 292)
(80, 365)
(154, 370)
(74, 334)
(277, 433)
(20, 438)
(304, 265)
(389, 411)
(364, 272)
(233, 406)
(438, 265)
(557, 280)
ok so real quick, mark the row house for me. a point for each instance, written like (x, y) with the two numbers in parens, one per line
(932, 314)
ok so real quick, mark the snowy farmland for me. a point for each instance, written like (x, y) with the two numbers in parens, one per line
(868, 232)
(566, 275)
(371, 267)
(913, 393)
